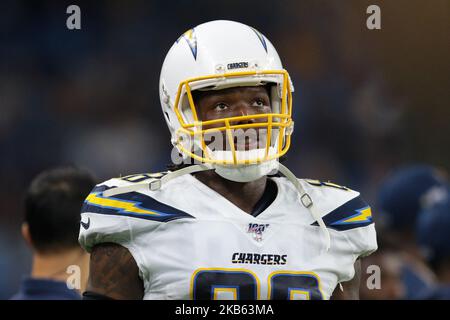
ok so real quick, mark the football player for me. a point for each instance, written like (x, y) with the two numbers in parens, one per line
(225, 226)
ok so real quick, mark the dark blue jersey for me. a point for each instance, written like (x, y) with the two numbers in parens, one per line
(436, 293)
(413, 281)
(45, 289)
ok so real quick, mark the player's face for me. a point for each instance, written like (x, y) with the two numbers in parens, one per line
(234, 102)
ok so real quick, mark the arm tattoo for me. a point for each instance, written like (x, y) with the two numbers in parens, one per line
(114, 273)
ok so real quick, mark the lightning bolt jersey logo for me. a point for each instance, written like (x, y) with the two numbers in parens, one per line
(352, 214)
(363, 215)
(132, 204)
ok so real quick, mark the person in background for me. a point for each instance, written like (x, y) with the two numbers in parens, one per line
(52, 222)
(402, 196)
(433, 231)
(390, 283)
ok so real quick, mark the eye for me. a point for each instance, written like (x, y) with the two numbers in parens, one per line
(259, 103)
(220, 107)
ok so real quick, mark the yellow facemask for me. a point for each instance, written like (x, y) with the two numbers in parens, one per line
(277, 125)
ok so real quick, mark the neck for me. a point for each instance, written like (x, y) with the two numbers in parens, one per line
(54, 266)
(243, 195)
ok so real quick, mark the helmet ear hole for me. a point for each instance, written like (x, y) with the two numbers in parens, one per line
(168, 121)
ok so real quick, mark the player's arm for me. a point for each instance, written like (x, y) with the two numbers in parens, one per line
(113, 274)
(351, 288)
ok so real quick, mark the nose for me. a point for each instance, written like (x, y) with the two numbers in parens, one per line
(243, 109)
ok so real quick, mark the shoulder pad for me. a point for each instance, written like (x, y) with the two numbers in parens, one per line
(132, 204)
(319, 183)
(343, 208)
(352, 214)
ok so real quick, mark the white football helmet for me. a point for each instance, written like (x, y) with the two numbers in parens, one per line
(218, 55)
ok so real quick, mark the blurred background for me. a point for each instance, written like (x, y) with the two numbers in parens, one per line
(366, 102)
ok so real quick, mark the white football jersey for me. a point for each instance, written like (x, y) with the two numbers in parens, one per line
(190, 242)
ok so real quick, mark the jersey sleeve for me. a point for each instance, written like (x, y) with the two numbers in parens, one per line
(353, 219)
(107, 220)
(364, 240)
(121, 218)
(126, 219)
(347, 213)
(102, 221)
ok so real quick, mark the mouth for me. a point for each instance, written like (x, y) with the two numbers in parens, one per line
(245, 143)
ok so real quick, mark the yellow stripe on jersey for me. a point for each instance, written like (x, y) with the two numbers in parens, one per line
(364, 215)
(126, 206)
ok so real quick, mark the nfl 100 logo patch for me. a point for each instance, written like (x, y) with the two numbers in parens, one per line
(257, 230)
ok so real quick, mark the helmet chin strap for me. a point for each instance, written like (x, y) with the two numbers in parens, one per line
(307, 202)
(249, 173)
